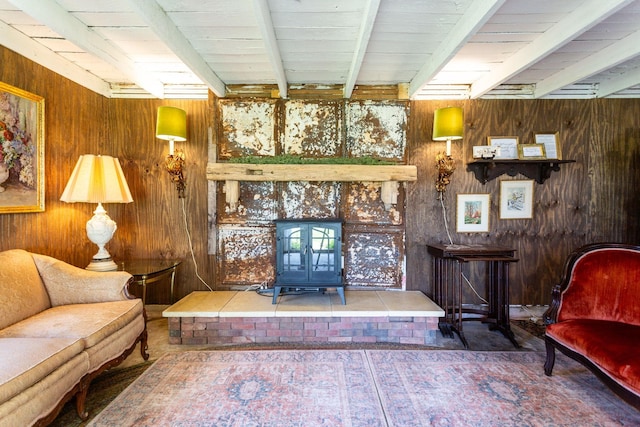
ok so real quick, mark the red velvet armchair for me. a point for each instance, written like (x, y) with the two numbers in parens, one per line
(594, 316)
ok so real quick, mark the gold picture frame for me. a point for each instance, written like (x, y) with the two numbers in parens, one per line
(21, 150)
(551, 142)
(531, 152)
(508, 146)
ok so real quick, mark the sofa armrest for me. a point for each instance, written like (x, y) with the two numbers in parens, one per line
(67, 284)
(551, 315)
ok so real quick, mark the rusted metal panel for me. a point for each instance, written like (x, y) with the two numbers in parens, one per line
(247, 128)
(374, 257)
(313, 129)
(246, 255)
(258, 204)
(362, 204)
(301, 199)
(377, 129)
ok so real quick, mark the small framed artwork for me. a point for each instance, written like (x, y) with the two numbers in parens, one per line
(21, 151)
(551, 142)
(516, 199)
(531, 152)
(473, 213)
(508, 146)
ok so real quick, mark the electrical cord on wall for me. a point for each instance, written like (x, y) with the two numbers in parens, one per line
(193, 257)
(446, 227)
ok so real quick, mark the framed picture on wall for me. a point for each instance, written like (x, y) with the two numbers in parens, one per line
(551, 142)
(508, 146)
(516, 199)
(21, 150)
(473, 213)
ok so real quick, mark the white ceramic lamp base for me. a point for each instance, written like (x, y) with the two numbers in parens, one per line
(100, 229)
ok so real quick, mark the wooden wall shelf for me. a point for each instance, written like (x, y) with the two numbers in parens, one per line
(310, 172)
(539, 170)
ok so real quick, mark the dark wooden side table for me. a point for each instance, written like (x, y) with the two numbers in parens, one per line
(146, 271)
(447, 276)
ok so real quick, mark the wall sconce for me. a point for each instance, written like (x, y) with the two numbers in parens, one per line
(98, 179)
(172, 126)
(448, 125)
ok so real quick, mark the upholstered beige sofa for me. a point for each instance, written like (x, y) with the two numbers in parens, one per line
(60, 326)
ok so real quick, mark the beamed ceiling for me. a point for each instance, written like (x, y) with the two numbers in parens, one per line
(430, 49)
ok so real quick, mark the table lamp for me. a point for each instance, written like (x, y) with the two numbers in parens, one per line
(98, 179)
(171, 126)
(448, 125)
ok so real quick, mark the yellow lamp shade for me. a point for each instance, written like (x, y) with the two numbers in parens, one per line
(448, 124)
(97, 179)
(171, 124)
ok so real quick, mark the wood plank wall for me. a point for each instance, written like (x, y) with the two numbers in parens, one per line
(595, 199)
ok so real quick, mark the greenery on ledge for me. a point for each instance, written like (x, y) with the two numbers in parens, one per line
(289, 159)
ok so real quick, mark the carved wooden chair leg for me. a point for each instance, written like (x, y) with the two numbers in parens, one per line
(551, 358)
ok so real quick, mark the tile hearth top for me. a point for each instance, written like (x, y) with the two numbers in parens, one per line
(251, 304)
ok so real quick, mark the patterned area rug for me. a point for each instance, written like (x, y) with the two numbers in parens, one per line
(364, 388)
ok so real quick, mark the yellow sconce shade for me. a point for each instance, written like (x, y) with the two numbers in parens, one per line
(171, 124)
(448, 124)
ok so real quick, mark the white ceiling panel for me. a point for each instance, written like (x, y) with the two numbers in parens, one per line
(440, 48)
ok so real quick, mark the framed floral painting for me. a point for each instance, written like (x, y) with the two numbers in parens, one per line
(21, 151)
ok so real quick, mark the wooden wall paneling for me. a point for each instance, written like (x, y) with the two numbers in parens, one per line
(153, 226)
(559, 221)
(615, 172)
(73, 126)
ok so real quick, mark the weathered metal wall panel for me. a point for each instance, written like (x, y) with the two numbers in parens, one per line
(246, 255)
(313, 129)
(373, 235)
(374, 257)
(247, 128)
(301, 199)
(362, 204)
(258, 204)
(377, 129)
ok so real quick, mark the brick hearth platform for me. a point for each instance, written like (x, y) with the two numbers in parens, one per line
(236, 317)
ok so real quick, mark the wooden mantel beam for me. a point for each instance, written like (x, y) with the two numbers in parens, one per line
(306, 172)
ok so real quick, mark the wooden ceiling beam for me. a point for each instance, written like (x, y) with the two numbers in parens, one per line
(476, 15)
(36, 52)
(62, 22)
(366, 27)
(167, 31)
(563, 32)
(263, 16)
(621, 51)
(623, 81)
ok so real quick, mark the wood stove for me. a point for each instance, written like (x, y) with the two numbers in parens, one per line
(308, 255)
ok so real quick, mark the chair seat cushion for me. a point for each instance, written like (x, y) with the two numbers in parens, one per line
(612, 346)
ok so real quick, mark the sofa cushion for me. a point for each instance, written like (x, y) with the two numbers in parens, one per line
(22, 293)
(89, 322)
(26, 361)
(613, 346)
(44, 396)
